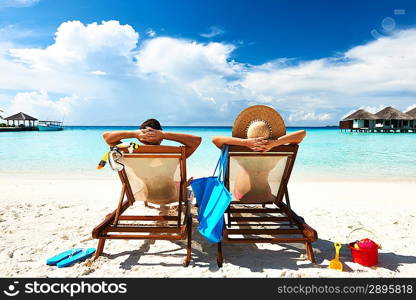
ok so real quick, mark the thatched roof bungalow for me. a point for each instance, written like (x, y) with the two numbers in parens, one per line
(21, 117)
(390, 118)
(412, 113)
(390, 113)
(360, 119)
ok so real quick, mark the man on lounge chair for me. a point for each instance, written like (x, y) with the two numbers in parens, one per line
(151, 176)
(151, 133)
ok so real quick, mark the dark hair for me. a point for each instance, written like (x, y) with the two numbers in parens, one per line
(152, 123)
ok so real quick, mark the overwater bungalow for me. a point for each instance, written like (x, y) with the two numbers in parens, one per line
(412, 113)
(388, 119)
(361, 121)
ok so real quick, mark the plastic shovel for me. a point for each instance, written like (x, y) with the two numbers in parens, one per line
(336, 264)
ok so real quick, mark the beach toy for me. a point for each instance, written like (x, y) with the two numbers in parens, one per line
(103, 161)
(132, 147)
(115, 151)
(336, 264)
(364, 252)
(84, 254)
(57, 258)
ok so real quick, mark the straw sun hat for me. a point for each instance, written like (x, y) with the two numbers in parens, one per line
(259, 121)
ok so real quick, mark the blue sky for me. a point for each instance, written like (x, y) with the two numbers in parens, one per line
(200, 62)
(268, 29)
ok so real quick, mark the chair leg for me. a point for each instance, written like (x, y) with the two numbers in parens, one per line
(189, 242)
(219, 255)
(309, 252)
(100, 248)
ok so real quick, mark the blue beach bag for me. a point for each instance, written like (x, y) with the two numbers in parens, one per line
(213, 199)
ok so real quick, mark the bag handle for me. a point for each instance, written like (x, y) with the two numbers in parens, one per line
(223, 165)
(218, 163)
(364, 229)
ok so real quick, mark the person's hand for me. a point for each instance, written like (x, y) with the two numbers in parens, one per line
(151, 136)
(268, 145)
(255, 144)
(263, 145)
(140, 134)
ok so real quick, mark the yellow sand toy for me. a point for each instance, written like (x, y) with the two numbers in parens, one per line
(336, 264)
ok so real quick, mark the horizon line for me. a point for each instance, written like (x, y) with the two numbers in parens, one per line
(214, 126)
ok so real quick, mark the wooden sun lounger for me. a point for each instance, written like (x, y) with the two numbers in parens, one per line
(117, 225)
(271, 222)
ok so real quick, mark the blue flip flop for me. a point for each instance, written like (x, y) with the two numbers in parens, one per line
(55, 259)
(84, 254)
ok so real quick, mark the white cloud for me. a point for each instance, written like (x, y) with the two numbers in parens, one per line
(13, 32)
(373, 109)
(18, 3)
(370, 109)
(185, 60)
(80, 45)
(99, 73)
(186, 82)
(73, 65)
(378, 72)
(409, 108)
(39, 104)
(213, 31)
(151, 33)
(309, 116)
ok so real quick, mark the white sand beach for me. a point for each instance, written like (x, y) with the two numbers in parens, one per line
(42, 217)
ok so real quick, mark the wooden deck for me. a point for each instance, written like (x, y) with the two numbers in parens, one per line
(14, 129)
(378, 130)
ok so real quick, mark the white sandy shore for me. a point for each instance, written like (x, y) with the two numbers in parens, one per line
(42, 217)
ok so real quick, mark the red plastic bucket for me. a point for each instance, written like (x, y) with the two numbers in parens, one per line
(365, 257)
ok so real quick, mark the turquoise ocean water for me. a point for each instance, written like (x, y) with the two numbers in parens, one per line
(326, 153)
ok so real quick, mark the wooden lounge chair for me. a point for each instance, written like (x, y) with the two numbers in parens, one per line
(156, 175)
(259, 214)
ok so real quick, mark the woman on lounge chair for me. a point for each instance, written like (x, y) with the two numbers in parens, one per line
(259, 128)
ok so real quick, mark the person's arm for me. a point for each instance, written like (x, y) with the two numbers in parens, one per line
(252, 143)
(291, 138)
(260, 144)
(191, 142)
(113, 138)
